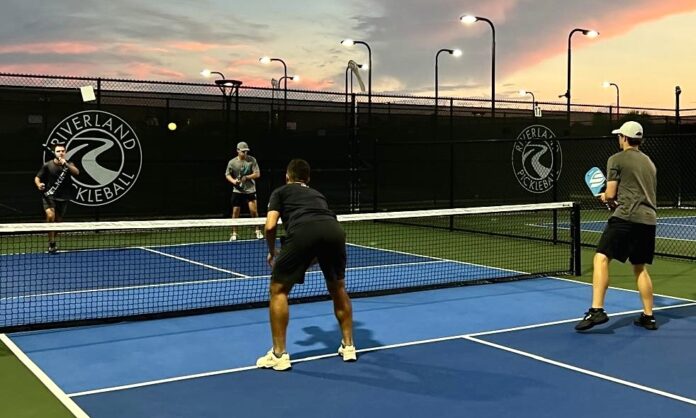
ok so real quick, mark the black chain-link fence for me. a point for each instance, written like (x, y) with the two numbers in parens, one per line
(368, 153)
(441, 174)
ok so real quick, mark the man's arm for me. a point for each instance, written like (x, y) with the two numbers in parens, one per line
(256, 171)
(39, 184)
(270, 233)
(228, 174)
(72, 168)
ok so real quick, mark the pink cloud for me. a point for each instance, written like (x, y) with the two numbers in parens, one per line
(130, 48)
(193, 46)
(142, 71)
(63, 47)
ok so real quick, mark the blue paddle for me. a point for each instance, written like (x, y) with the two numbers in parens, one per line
(595, 180)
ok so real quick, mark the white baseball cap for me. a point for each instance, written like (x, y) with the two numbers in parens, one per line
(630, 129)
(242, 146)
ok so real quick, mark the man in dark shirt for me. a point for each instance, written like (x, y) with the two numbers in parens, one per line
(630, 231)
(54, 179)
(312, 235)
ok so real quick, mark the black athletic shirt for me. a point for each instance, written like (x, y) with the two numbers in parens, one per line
(49, 174)
(299, 204)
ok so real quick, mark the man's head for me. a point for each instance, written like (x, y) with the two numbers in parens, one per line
(59, 150)
(631, 132)
(298, 170)
(242, 149)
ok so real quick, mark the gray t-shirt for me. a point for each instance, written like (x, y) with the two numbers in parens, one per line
(637, 179)
(238, 168)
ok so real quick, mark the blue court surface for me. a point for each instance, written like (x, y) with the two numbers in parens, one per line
(681, 228)
(499, 350)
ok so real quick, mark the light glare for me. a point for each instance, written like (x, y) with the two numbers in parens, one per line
(468, 19)
(457, 52)
(206, 73)
(347, 42)
(265, 60)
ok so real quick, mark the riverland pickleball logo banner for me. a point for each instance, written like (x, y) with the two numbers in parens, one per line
(535, 155)
(105, 149)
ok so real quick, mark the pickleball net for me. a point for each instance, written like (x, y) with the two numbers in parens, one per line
(113, 271)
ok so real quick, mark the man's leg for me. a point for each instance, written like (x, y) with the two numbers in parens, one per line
(277, 358)
(600, 282)
(645, 287)
(253, 211)
(343, 309)
(600, 279)
(51, 217)
(279, 315)
(236, 210)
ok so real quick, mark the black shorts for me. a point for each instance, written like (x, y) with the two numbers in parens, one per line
(242, 199)
(323, 240)
(624, 240)
(59, 206)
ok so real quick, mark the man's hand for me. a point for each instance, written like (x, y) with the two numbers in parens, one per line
(271, 257)
(610, 203)
(41, 186)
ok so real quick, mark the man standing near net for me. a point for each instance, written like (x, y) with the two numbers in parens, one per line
(630, 231)
(242, 171)
(54, 180)
(313, 235)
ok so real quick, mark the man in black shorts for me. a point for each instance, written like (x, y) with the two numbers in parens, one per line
(54, 180)
(630, 232)
(242, 171)
(312, 235)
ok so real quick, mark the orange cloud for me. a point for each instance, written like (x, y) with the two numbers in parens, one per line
(75, 48)
(609, 26)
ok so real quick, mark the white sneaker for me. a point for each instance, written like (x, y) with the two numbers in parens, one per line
(270, 361)
(347, 352)
(233, 237)
(259, 234)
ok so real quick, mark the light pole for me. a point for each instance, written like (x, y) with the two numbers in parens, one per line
(268, 60)
(590, 34)
(526, 92)
(453, 52)
(468, 20)
(227, 87)
(607, 84)
(351, 42)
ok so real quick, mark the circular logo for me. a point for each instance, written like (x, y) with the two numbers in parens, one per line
(535, 155)
(105, 149)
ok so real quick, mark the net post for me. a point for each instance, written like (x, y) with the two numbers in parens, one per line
(575, 261)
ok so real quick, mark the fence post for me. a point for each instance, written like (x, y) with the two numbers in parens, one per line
(575, 261)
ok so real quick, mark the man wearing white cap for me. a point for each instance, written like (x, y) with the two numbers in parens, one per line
(630, 231)
(242, 171)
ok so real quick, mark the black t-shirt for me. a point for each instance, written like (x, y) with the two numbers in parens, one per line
(299, 204)
(49, 175)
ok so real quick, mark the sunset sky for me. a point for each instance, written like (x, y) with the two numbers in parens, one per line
(645, 46)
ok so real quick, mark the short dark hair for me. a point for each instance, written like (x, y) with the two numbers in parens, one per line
(56, 146)
(298, 170)
(634, 141)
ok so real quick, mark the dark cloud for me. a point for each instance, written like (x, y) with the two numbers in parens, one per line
(124, 20)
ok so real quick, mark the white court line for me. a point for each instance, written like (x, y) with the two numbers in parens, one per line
(188, 260)
(583, 371)
(323, 356)
(50, 384)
